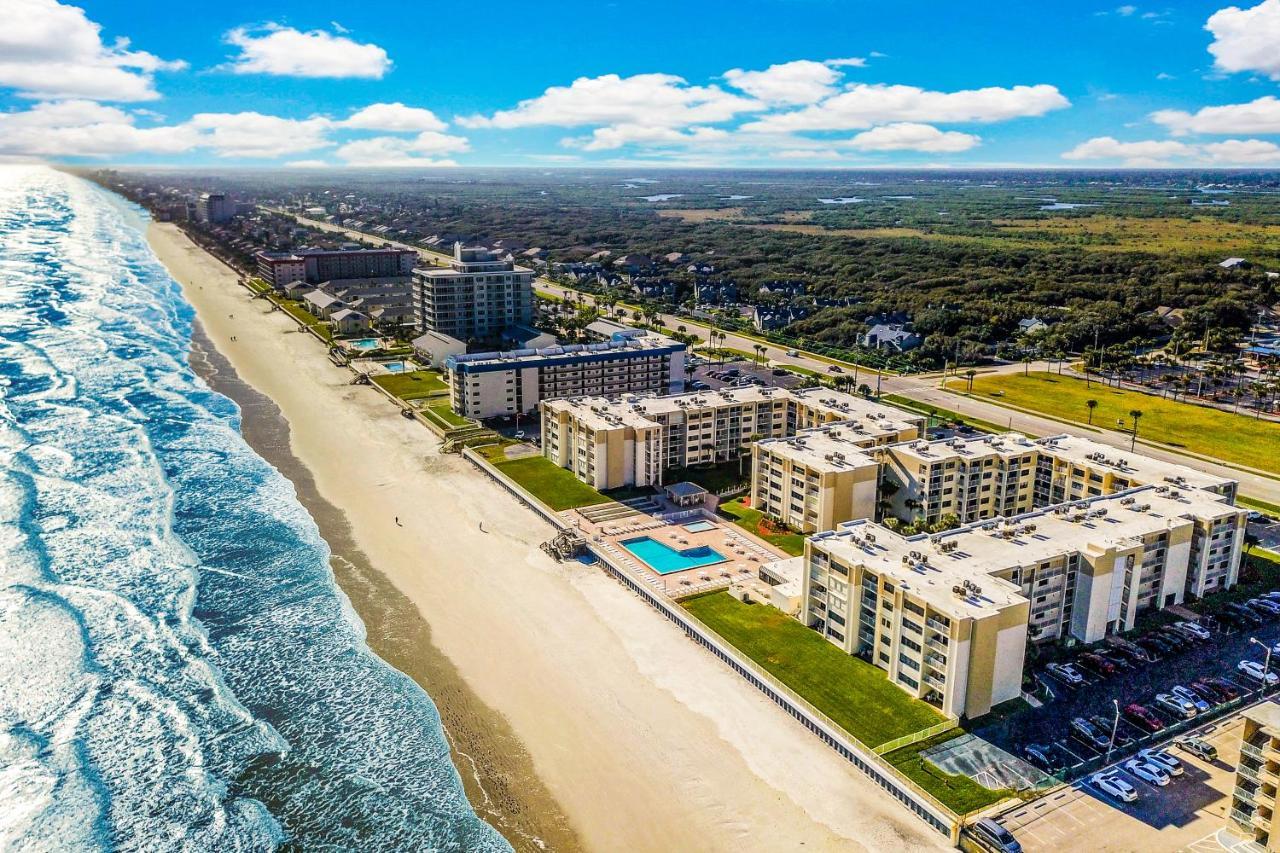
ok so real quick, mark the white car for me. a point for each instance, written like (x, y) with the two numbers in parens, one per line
(1267, 604)
(1187, 695)
(1194, 628)
(1112, 785)
(1178, 707)
(1066, 672)
(1163, 759)
(1253, 669)
(1152, 774)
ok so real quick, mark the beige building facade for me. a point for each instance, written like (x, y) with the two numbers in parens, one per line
(1253, 798)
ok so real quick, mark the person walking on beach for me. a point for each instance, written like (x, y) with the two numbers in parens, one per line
(398, 524)
(482, 530)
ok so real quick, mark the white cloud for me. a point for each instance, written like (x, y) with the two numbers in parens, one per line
(284, 51)
(394, 117)
(252, 134)
(850, 61)
(1145, 153)
(801, 82)
(909, 136)
(53, 51)
(1247, 39)
(617, 135)
(1261, 115)
(1126, 11)
(663, 100)
(395, 152)
(807, 154)
(864, 105)
(1244, 152)
(86, 129)
(308, 164)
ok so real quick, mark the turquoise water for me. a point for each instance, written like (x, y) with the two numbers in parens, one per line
(664, 559)
(700, 526)
(178, 668)
(364, 343)
(394, 367)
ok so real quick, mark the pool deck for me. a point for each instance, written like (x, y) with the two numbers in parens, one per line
(743, 553)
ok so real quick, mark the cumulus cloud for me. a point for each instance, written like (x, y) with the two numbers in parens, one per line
(252, 134)
(866, 104)
(397, 152)
(617, 135)
(655, 99)
(86, 129)
(1261, 115)
(394, 117)
(801, 82)
(1147, 152)
(1247, 39)
(1243, 152)
(910, 136)
(49, 50)
(284, 51)
(850, 61)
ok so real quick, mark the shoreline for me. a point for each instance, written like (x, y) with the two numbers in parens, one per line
(643, 741)
(496, 774)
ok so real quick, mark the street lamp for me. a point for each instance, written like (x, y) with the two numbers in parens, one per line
(1266, 664)
(1115, 724)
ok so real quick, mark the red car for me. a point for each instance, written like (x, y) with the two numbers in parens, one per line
(1142, 717)
(1226, 688)
(1096, 663)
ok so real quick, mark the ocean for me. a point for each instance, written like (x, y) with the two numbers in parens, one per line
(178, 668)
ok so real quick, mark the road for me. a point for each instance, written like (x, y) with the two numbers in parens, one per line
(922, 389)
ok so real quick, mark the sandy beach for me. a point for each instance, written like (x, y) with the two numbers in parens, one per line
(578, 716)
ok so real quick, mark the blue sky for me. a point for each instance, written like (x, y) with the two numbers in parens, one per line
(804, 83)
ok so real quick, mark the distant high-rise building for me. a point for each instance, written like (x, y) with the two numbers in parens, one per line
(476, 297)
(317, 266)
(214, 208)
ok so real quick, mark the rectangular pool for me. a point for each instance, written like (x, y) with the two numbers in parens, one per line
(365, 343)
(664, 559)
(700, 526)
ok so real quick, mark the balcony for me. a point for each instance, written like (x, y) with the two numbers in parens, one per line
(1251, 751)
(936, 625)
(935, 682)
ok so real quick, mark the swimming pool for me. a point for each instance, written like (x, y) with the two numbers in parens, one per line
(700, 526)
(365, 343)
(664, 559)
(394, 367)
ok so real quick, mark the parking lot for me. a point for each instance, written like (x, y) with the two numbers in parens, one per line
(1050, 725)
(741, 371)
(1186, 814)
(1267, 531)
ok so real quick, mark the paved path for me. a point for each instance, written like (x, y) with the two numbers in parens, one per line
(921, 388)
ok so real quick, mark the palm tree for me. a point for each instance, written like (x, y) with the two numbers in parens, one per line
(970, 374)
(1092, 404)
(1136, 414)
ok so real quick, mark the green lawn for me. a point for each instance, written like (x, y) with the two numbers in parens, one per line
(959, 793)
(413, 385)
(442, 412)
(749, 520)
(555, 486)
(852, 692)
(722, 475)
(1233, 438)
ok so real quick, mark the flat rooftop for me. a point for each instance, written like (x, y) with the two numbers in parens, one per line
(833, 448)
(931, 565)
(567, 353)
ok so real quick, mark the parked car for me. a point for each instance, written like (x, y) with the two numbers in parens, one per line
(1157, 646)
(1086, 733)
(831, 368)
(1066, 672)
(1119, 661)
(1152, 774)
(1242, 613)
(1105, 726)
(1040, 757)
(1163, 758)
(1095, 664)
(1188, 695)
(1113, 785)
(1184, 631)
(1132, 651)
(1263, 606)
(1178, 707)
(1174, 639)
(995, 836)
(1198, 747)
(1225, 687)
(1143, 718)
(1274, 595)
(1253, 669)
(1231, 619)
(1208, 692)
(1195, 628)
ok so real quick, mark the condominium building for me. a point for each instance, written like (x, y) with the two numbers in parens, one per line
(475, 298)
(948, 615)
(214, 208)
(1253, 798)
(316, 266)
(982, 477)
(485, 385)
(632, 440)
(819, 477)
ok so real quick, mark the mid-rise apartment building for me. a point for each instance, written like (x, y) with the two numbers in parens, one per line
(1253, 797)
(948, 615)
(819, 477)
(986, 476)
(321, 265)
(486, 385)
(214, 208)
(475, 297)
(632, 440)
